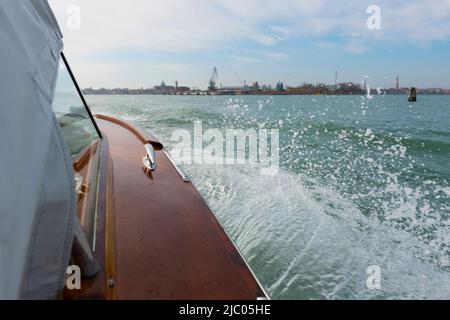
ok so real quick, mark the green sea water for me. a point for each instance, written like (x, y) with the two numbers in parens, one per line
(363, 181)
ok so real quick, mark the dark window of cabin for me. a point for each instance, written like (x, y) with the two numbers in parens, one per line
(76, 125)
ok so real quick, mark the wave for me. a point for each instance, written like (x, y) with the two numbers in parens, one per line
(307, 241)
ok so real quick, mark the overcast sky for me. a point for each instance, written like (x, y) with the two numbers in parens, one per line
(138, 43)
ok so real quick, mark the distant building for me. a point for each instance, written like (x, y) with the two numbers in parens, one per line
(164, 89)
(304, 89)
(182, 90)
(120, 91)
(349, 88)
(136, 91)
(229, 90)
(280, 86)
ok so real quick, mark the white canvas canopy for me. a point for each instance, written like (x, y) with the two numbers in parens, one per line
(37, 201)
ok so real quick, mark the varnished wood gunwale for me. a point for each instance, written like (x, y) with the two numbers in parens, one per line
(142, 135)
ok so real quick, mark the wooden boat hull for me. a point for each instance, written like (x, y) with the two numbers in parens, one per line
(156, 236)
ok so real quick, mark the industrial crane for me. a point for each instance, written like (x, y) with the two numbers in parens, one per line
(214, 79)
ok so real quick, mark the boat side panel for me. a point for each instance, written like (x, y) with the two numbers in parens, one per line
(96, 287)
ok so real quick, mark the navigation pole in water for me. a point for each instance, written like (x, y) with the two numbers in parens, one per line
(412, 95)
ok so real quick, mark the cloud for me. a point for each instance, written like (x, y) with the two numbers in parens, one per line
(169, 66)
(163, 26)
(113, 75)
(221, 28)
(174, 25)
(261, 38)
(244, 59)
(282, 33)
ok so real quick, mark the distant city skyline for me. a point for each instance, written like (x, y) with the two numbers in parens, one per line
(293, 41)
(395, 85)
